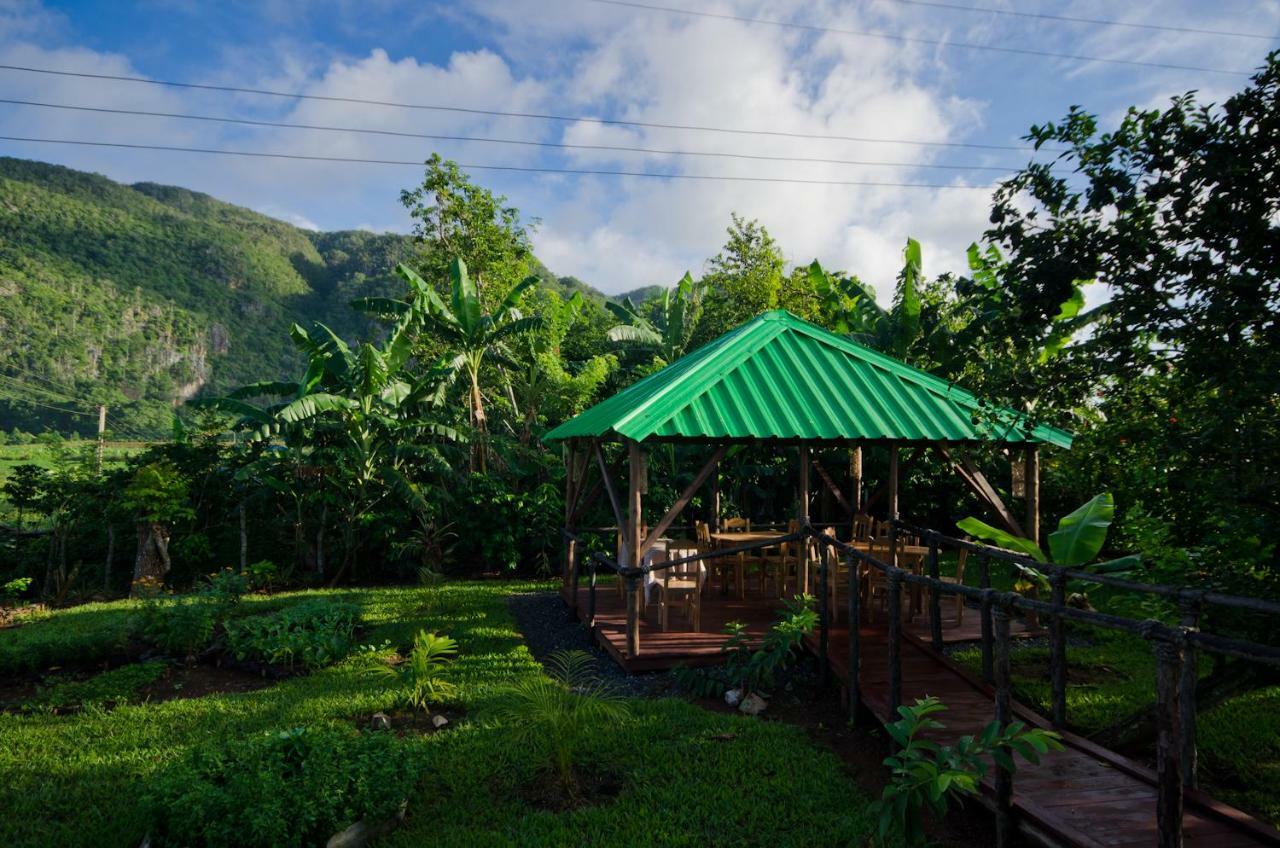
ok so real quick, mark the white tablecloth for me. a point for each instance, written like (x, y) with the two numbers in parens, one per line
(661, 552)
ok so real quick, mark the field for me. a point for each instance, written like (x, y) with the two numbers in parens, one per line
(688, 776)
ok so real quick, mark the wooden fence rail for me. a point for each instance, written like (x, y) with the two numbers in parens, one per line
(1173, 646)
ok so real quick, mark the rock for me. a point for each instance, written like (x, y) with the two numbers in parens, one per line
(352, 837)
(733, 697)
(753, 704)
(438, 721)
(380, 721)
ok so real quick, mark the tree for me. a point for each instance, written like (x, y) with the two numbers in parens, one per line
(457, 219)
(744, 280)
(1176, 212)
(24, 488)
(157, 495)
(666, 338)
(472, 336)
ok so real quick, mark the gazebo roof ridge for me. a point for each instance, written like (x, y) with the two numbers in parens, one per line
(779, 377)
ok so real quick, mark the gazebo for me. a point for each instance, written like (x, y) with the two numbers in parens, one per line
(780, 380)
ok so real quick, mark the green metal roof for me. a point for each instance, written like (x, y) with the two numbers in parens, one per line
(780, 377)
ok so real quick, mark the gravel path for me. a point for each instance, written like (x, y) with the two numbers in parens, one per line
(548, 626)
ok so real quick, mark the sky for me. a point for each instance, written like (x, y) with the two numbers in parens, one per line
(940, 112)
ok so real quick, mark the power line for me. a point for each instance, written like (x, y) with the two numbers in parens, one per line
(1074, 20)
(515, 168)
(909, 39)
(523, 142)
(614, 122)
(38, 390)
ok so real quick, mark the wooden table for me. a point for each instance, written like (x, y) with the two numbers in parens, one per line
(914, 556)
(724, 539)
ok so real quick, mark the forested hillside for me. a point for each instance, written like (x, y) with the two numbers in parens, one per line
(141, 296)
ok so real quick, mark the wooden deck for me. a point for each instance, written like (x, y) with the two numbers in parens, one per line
(1084, 796)
(678, 645)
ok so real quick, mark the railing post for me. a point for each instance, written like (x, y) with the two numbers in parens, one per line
(893, 541)
(935, 595)
(824, 610)
(895, 640)
(1004, 714)
(1190, 605)
(984, 614)
(1169, 788)
(633, 616)
(855, 624)
(591, 595)
(1058, 649)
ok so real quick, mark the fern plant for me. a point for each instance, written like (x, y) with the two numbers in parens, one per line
(556, 713)
(926, 775)
(754, 670)
(423, 673)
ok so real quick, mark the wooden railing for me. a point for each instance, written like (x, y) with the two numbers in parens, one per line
(1171, 644)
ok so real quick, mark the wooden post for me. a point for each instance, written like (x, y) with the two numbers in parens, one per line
(635, 519)
(893, 480)
(244, 540)
(855, 473)
(1032, 482)
(935, 596)
(591, 595)
(895, 640)
(715, 500)
(1169, 779)
(802, 514)
(1058, 649)
(1190, 678)
(1004, 714)
(988, 674)
(825, 553)
(102, 437)
(855, 623)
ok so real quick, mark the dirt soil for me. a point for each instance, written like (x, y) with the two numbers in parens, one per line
(545, 793)
(196, 681)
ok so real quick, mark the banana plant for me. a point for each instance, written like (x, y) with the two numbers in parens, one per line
(852, 309)
(669, 337)
(474, 337)
(1075, 544)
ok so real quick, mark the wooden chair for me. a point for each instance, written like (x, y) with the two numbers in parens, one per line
(679, 583)
(745, 560)
(782, 563)
(877, 580)
(723, 568)
(862, 527)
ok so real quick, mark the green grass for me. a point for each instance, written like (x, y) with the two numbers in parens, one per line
(1239, 745)
(115, 686)
(690, 777)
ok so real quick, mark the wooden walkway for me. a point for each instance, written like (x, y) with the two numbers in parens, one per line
(1084, 796)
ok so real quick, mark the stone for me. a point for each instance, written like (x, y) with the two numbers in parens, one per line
(352, 837)
(438, 721)
(733, 697)
(753, 704)
(380, 721)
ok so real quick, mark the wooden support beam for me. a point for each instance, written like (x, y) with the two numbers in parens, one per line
(893, 480)
(607, 478)
(833, 488)
(977, 482)
(635, 520)
(681, 502)
(803, 510)
(904, 468)
(855, 474)
(715, 500)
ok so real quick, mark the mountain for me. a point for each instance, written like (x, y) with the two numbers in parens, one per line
(140, 296)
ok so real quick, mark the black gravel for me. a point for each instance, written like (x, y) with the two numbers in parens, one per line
(549, 626)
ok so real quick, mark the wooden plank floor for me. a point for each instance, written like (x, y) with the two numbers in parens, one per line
(1084, 796)
(678, 645)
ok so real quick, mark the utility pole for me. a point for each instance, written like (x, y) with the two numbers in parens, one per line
(102, 434)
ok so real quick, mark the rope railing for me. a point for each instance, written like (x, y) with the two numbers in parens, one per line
(1173, 646)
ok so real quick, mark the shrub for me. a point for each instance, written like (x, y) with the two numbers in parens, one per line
(422, 674)
(11, 591)
(180, 625)
(556, 714)
(109, 687)
(925, 774)
(754, 670)
(507, 525)
(291, 788)
(262, 574)
(315, 633)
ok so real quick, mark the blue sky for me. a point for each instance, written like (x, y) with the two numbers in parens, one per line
(580, 58)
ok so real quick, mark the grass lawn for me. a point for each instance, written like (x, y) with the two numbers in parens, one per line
(690, 777)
